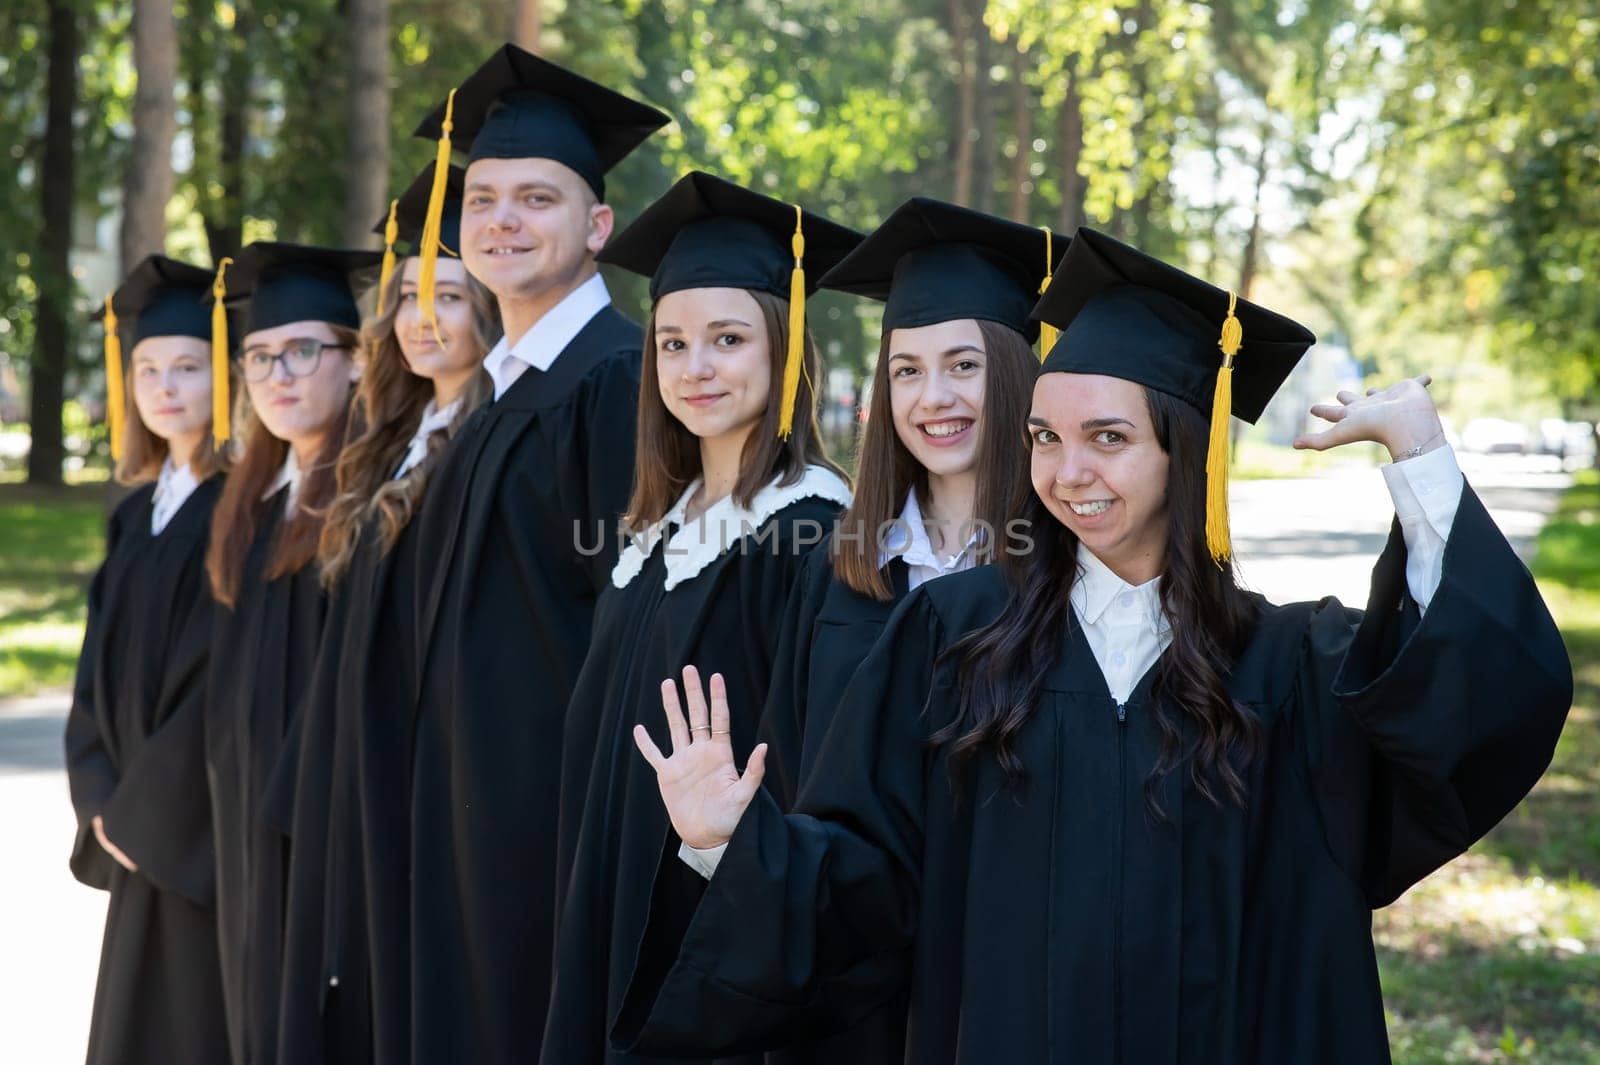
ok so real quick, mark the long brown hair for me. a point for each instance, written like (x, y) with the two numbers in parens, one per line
(240, 508)
(886, 470)
(1002, 666)
(143, 451)
(388, 405)
(668, 455)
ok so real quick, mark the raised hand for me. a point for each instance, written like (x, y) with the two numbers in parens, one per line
(1401, 417)
(704, 793)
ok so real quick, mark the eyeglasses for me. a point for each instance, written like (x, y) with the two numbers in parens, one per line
(300, 358)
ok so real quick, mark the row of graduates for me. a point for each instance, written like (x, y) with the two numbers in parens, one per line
(352, 744)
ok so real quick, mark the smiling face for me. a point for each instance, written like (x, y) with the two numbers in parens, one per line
(172, 388)
(529, 226)
(936, 383)
(1099, 469)
(300, 410)
(713, 360)
(449, 365)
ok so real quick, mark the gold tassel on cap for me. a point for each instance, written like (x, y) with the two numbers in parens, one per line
(1218, 540)
(1048, 334)
(391, 233)
(114, 398)
(794, 359)
(429, 249)
(221, 407)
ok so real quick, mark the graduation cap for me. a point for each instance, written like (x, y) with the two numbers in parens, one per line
(519, 106)
(161, 297)
(705, 232)
(1126, 314)
(932, 262)
(407, 218)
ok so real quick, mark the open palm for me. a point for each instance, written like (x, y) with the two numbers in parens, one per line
(704, 793)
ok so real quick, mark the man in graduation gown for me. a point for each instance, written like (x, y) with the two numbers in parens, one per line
(515, 540)
(1064, 921)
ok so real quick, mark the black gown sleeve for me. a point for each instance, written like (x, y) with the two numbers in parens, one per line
(601, 471)
(160, 814)
(808, 924)
(1420, 731)
(783, 719)
(91, 772)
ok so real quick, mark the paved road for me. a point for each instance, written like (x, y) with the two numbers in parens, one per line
(1296, 539)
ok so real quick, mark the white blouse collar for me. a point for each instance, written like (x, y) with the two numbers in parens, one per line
(288, 477)
(1097, 590)
(908, 540)
(698, 543)
(174, 486)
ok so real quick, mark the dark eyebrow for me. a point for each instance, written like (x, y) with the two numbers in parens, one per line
(1034, 419)
(1104, 423)
(723, 323)
(667, 328)
(963, 349)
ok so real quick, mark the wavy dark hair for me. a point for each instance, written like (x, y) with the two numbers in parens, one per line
(1002, 665)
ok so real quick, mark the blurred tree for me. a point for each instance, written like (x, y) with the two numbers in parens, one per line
(147, 178)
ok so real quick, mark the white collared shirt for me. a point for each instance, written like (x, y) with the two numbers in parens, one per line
(433, 419)
(908, 540)
(173, 489)
(548, 337)
(288, 477)
(1127, 630)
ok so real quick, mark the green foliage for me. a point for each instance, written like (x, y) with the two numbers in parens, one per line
(50, 544)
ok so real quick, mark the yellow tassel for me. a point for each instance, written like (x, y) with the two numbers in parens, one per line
(1048, 334)
(429, 250)
(114, 397)
(794, 358)
(221, 408)
(1218, 540)
(391, 233)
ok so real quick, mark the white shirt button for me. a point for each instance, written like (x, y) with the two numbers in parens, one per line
(333, 981)
(1424, 488)
(1119, 659)
(1125, 599)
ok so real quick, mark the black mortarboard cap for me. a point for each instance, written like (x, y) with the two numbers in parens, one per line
(163, 297)
(705, 232)
(411, 212)
(519, 106)
(1126, 314)
(281, 283)
(932, 262)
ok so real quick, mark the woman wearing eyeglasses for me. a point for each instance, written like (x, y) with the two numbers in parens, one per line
(298, 360)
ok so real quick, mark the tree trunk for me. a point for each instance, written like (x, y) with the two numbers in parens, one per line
(983, 139)
(529, 24)
(1252, 244)
(225, 226)
(147, 183)
(54, 275)
(367, 168)
(1022, 126)
(967, 103)
(1069, 156)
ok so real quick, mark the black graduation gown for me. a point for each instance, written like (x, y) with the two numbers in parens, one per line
(828, 630)
(515, 541)
(262, 653)
(346, 987)
(135, 757)
(722, 612)
(1065, 924)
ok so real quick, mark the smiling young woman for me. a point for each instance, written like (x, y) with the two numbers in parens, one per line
(1096, 803)
(732, 489)
(298, 360)
(135, 730)
(342, 786)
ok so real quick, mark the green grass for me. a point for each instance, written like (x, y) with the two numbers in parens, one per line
(50, 543)
(1496, 958)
